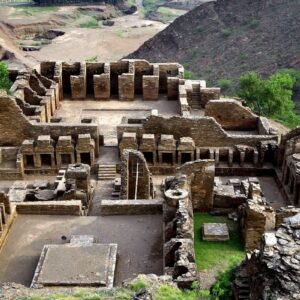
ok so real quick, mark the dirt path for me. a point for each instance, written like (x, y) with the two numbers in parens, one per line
(78, 44)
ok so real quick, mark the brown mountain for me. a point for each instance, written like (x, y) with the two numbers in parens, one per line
(226, 38)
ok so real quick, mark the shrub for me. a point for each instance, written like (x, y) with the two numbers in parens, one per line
(91, 23)
(224, 84)
(189, 75)
(254, 23)
(138, 285)
(5, 83)
(226, 32)
(221, 289)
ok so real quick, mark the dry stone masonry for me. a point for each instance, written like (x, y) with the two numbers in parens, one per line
(136, 149)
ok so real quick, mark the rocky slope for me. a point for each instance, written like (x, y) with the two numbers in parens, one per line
(226, 38)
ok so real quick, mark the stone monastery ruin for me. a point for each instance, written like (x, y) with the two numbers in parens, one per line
(102, 166)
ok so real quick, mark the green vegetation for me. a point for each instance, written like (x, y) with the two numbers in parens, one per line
(224, 84)
(253, 24)
(296, 88)
(221, 289)
(162, 292)
(5, 83)
(92, 59)
(150, 6)
(190, 75)
(169, 14)
(33, 10)
(123, 32)
(91, 22)
(226, 32)
(271, 97)
(218, 255)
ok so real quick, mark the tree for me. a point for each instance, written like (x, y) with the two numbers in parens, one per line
(269, 97)
(5, 83)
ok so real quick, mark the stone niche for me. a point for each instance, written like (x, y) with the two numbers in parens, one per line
(148, 148)
(85, 149)
(186, 150)
(167, 150)
(44, 152)
(65, 152)
(82, 262)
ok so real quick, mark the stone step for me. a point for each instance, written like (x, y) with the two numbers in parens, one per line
(106, 178)
(107, 172)
(107, 169)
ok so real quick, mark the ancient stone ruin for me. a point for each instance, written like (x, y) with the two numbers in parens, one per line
(102, 166)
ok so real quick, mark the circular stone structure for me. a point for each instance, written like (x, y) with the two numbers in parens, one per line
(173, 195)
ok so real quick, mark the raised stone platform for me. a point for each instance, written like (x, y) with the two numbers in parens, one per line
(215, 232)
(79, 263)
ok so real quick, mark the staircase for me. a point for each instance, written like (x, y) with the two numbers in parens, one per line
(107, 172)
(196, 97)
(242, 288)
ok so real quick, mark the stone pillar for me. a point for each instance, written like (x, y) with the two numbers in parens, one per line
(173, 89)
(102, 86)
(207, 94)
(128, 141)
(126, 87)
(150, 87)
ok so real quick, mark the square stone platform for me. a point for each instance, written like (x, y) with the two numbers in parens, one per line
(76, 264)
(215, 232)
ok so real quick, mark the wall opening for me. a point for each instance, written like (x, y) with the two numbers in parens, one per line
(29, 161)
(65, 159)
(167, 158)
(149, 157)
(46, 160)
(186, 157)
(85, 158)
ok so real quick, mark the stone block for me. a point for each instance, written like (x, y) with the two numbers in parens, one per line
(215, 232)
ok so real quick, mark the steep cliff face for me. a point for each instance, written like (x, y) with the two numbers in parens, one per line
(226, 38)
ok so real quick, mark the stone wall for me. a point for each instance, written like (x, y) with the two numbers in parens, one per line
(125, 78)
(131, 207)
(272, 272)
(15, 127)
(205, 131)
(231, 114)
(70, 207)
(200, 174)
(179, 255)
(255, 218)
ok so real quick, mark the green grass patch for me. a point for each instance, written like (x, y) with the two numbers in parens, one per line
(33, 11)
(91, 22)
(122, 32)
(220, 254)
(92, 59)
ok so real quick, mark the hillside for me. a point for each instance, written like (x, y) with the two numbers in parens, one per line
(226, 38)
